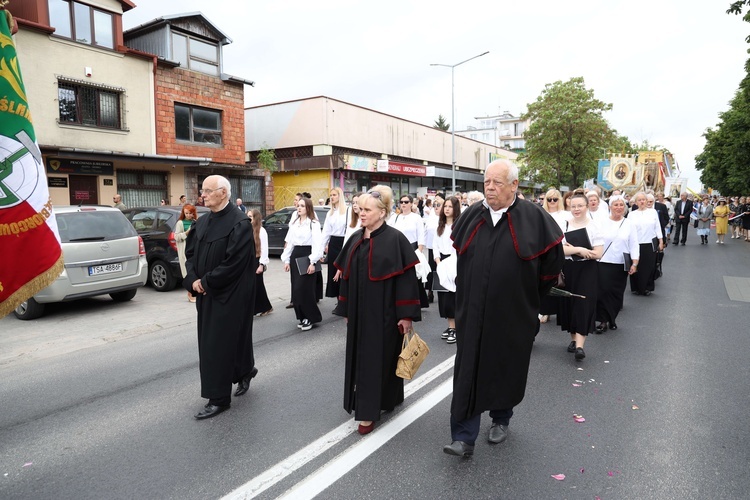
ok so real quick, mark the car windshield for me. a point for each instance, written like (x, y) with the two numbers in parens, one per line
(93, 226)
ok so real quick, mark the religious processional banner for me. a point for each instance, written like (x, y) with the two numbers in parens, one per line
(30, 253)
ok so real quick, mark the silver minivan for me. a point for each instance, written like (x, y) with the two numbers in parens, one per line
(103, 255)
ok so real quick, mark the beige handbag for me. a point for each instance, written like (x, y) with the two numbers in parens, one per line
(413, 352)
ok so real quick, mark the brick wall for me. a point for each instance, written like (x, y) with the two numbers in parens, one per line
(198, 89)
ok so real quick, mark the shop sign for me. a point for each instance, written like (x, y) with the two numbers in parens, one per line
(73, 166)
(360, 163)
(57, 182)
(394, 167)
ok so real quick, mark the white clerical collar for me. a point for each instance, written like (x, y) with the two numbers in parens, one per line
(497, 214)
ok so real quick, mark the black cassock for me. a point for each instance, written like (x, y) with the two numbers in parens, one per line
(503, 271)
(220, 251)
(378, 288)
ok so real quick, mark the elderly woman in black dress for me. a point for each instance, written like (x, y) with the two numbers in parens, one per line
(379, 296)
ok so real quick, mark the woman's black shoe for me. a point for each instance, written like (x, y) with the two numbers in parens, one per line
(612, 325)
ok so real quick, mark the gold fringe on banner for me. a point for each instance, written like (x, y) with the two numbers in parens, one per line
(37, 284)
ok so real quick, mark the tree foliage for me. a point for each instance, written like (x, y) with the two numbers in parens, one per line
(441, 124)
(724, 162)
(267, 158)
(568, 133)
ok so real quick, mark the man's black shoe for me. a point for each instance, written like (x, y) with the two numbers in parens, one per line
(244, 384)
(459, 448)
(210, 411)
(498, 433)
(289, 306)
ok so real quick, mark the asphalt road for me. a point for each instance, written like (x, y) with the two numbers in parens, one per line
(97, 402)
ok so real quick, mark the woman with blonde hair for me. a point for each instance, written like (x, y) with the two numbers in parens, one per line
(380, 299)
(262, 304)
(188, 216)
(553, 205)
(334, 231)
(352, 219)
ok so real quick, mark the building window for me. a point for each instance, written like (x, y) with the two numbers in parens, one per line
(82, 23)
(195, 54)
(195, 124)
(89, 105)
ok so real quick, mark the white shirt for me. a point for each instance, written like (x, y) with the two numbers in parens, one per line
(443, 244)
(430, 225)
(335, 225)
(263, 246)
(561, 217)
(595, 236)
(411, 225)
(601, 215)
(497, 214)
(619, 237)
(302, 233)
(646, 224)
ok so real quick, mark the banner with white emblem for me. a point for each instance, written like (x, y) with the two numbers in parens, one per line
(30, 253)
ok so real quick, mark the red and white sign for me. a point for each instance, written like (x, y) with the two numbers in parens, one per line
(394, 167)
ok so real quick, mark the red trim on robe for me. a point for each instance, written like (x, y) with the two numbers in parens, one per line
(549, 277)
(342, 298)
(383, 278)
(407, 302)
(471, 237)
(515, 242)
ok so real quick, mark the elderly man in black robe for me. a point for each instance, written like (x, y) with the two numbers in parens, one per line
(221, 266)
(509, 255)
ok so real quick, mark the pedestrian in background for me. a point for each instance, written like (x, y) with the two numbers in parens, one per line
(682, 209)
(650, 240)
(334, 230)
(552, 204)
(188, 216)
(304, 240)
(619, 239)
(721, 214)
(411, 225)
(117, 199)
(509, 254)
(262, 306)
(352, 218)
(442, 249)
(220, 266)
(705, 214)
(577, 315)
(380, 299)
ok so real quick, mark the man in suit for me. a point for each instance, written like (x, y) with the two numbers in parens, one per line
(682, 210)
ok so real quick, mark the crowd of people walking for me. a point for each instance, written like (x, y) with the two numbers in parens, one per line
(501, 262)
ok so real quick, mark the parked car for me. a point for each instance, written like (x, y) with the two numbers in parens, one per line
(156, 226)
(102, 253)
(277, 224)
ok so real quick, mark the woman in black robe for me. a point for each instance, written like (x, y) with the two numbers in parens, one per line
(379, 297)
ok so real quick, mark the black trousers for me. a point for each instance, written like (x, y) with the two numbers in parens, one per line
(681, 225)
(468, 430)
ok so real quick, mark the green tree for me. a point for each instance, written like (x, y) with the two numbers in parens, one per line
(724, 162)
(441, 124)
(267, 158)
(567, 134)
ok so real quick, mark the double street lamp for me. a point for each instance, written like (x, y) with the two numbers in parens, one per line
(453, 117)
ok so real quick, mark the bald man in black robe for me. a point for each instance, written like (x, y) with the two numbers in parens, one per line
(509, 255)
(221, 266)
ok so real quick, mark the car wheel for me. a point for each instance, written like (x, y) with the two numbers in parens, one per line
(123, 296)
(161, 277)
(30, 309)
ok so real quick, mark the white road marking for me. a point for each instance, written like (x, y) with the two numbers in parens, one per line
(324, 477)
(281, 470)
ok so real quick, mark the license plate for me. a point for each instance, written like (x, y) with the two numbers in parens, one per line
(106, 269)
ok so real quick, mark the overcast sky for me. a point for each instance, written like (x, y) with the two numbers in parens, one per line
(667, 66)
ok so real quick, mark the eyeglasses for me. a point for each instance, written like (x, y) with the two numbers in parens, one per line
(405, 202)
(374, 194)
(552, 200)
(437, 205)
(207, 192)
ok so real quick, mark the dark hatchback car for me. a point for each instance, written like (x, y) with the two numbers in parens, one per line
(277, 224)
(155, 225)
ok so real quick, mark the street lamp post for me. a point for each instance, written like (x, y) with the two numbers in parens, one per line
(453, 117)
